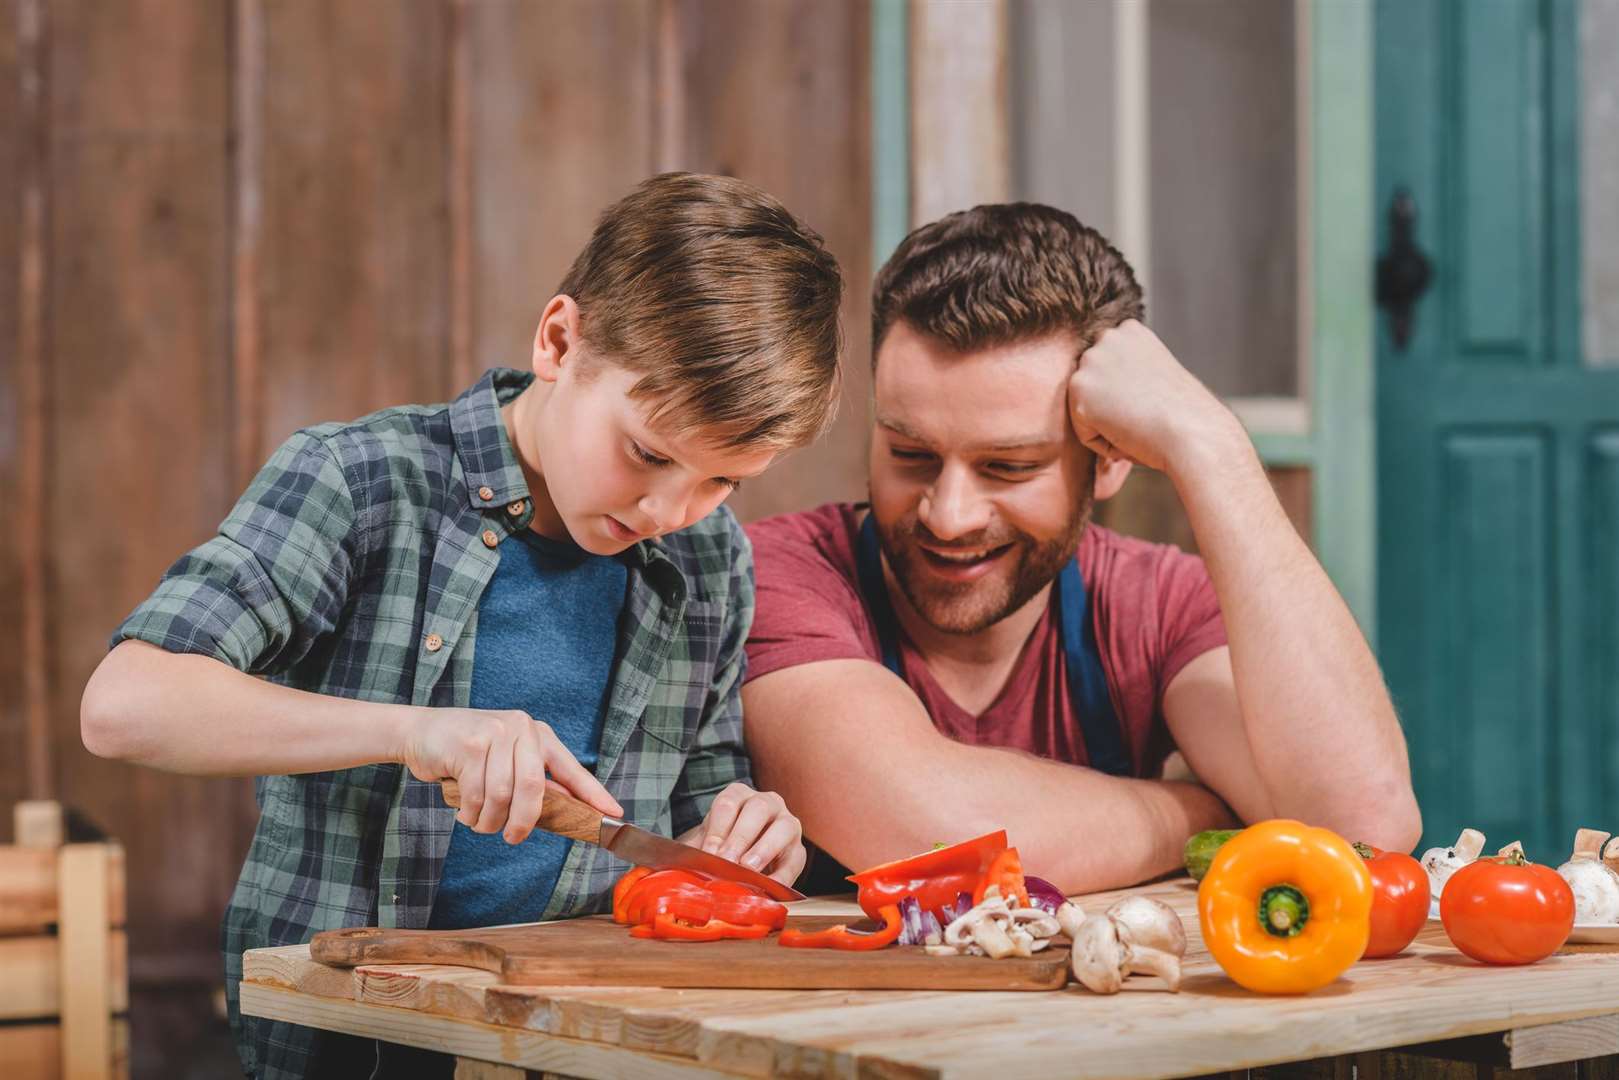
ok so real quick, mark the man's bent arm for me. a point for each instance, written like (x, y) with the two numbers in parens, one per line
(852, 750)
(1319, 723)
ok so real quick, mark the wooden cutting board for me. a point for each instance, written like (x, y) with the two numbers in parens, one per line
(595, 951)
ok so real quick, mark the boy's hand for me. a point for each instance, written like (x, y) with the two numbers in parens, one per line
(1131, 398)
(755, 829)
(500, 759)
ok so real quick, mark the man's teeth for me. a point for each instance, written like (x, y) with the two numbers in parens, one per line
(962, 556)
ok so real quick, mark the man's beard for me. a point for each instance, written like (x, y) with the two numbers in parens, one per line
(969, 607)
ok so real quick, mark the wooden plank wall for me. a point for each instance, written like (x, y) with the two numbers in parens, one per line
(222, 221)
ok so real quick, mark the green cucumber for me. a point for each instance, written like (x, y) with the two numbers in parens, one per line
(1200, 850)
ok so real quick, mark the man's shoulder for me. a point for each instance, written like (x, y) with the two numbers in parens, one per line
(1105, 554)
(825, 534)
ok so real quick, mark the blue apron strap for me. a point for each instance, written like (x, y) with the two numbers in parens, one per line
(1087, 681)
(876, 594)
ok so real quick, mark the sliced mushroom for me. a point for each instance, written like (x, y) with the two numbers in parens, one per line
(995, 928)
(1514, 849)
(1595, 885)
(1107, 949)
(1070, 916)
(1441, 863)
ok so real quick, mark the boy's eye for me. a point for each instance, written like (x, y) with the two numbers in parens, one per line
(645, 456)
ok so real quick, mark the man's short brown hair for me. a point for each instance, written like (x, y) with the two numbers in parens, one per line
(1002, 273)
(724, 304)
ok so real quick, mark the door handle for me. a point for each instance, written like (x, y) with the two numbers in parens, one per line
(1403, 272)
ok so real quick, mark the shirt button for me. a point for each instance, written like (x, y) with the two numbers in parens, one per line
(486, 493)
(433, 643)
(489, 538)
(515, 509)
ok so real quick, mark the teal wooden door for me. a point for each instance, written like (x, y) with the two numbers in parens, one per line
(1498, 441)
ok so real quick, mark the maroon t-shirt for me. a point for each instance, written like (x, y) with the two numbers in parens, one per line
(1154, 607)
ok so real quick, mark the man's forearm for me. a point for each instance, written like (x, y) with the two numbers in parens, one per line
(874, 781)
(193, 714)
(1309, 687)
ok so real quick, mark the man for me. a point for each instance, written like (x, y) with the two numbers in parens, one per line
(969, 654)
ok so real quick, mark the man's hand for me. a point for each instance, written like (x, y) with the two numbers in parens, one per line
(755, 829)
(500, 759)
(1131, 398)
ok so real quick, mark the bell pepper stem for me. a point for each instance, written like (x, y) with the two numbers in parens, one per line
(1283, 910)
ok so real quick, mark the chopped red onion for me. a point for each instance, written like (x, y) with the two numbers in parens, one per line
(1043, 894)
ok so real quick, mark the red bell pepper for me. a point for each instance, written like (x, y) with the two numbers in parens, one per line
(935, 878)
(841, 937)
(669, 928)
(689, 901)
(1006, 874)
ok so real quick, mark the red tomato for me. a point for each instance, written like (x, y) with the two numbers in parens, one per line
(1507, 911)
(1400, 898)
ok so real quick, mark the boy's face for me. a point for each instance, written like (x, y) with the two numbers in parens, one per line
(979, 485)
(598, 470)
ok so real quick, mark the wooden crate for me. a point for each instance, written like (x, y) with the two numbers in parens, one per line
(64, 957)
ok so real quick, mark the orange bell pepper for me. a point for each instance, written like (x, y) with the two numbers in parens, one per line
(841, 937)
(1285, 908)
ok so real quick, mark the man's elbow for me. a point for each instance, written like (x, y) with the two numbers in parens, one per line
(104, 723)
(1391, 821)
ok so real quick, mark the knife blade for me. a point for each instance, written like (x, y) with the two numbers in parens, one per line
(564, 815)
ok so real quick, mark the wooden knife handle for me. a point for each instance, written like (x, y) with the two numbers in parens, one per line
(561, 813)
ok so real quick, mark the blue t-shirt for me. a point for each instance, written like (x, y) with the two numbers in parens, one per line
(547, 627)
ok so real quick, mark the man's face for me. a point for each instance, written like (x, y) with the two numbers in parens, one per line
(612, 477)
(979, 485)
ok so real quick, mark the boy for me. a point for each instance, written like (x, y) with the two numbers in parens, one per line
(535, 579)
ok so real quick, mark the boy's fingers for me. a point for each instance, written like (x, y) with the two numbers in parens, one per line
(471, 781)
(721, 816)
(528, 794)
(566, 770)
(751, 821)
(497, 788)
(790, 865)
(772, 843)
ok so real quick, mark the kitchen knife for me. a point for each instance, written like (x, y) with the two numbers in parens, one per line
(564, 815)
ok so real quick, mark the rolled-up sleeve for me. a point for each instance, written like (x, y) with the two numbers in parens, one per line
(274, 580)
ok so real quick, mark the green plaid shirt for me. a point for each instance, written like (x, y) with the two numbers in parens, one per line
(353, 547)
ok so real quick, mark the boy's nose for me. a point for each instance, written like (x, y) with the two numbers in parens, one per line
(666, 510)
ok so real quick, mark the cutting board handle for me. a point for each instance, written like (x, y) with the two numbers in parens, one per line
(561, 813)
(371, 945)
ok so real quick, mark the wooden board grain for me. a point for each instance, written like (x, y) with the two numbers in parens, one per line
(596, 951)
(1428, 993)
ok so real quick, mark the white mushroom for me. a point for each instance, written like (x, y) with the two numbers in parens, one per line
(1440, 862)
(1070, 916)
(1513, 850)
(1107, 948)
(994, 928)
(1151, 923)
(1595, 886)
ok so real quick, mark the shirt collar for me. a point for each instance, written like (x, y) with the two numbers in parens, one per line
(490, 463)
(493, 475)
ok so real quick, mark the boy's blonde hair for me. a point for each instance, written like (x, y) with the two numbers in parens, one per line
(724, 304)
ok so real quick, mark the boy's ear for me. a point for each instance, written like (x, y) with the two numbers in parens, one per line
(1111, 474)
(557, 337)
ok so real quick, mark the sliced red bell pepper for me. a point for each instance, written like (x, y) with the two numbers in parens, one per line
(669, 928)
(622, 889)
(841, 937)
(688, 899)
(935, 877)
(1006, 874)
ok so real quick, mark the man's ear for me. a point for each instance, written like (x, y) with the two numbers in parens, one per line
(1111, 474)
(557, 337)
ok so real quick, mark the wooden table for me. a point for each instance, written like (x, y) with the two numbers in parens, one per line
(1430, 1000)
